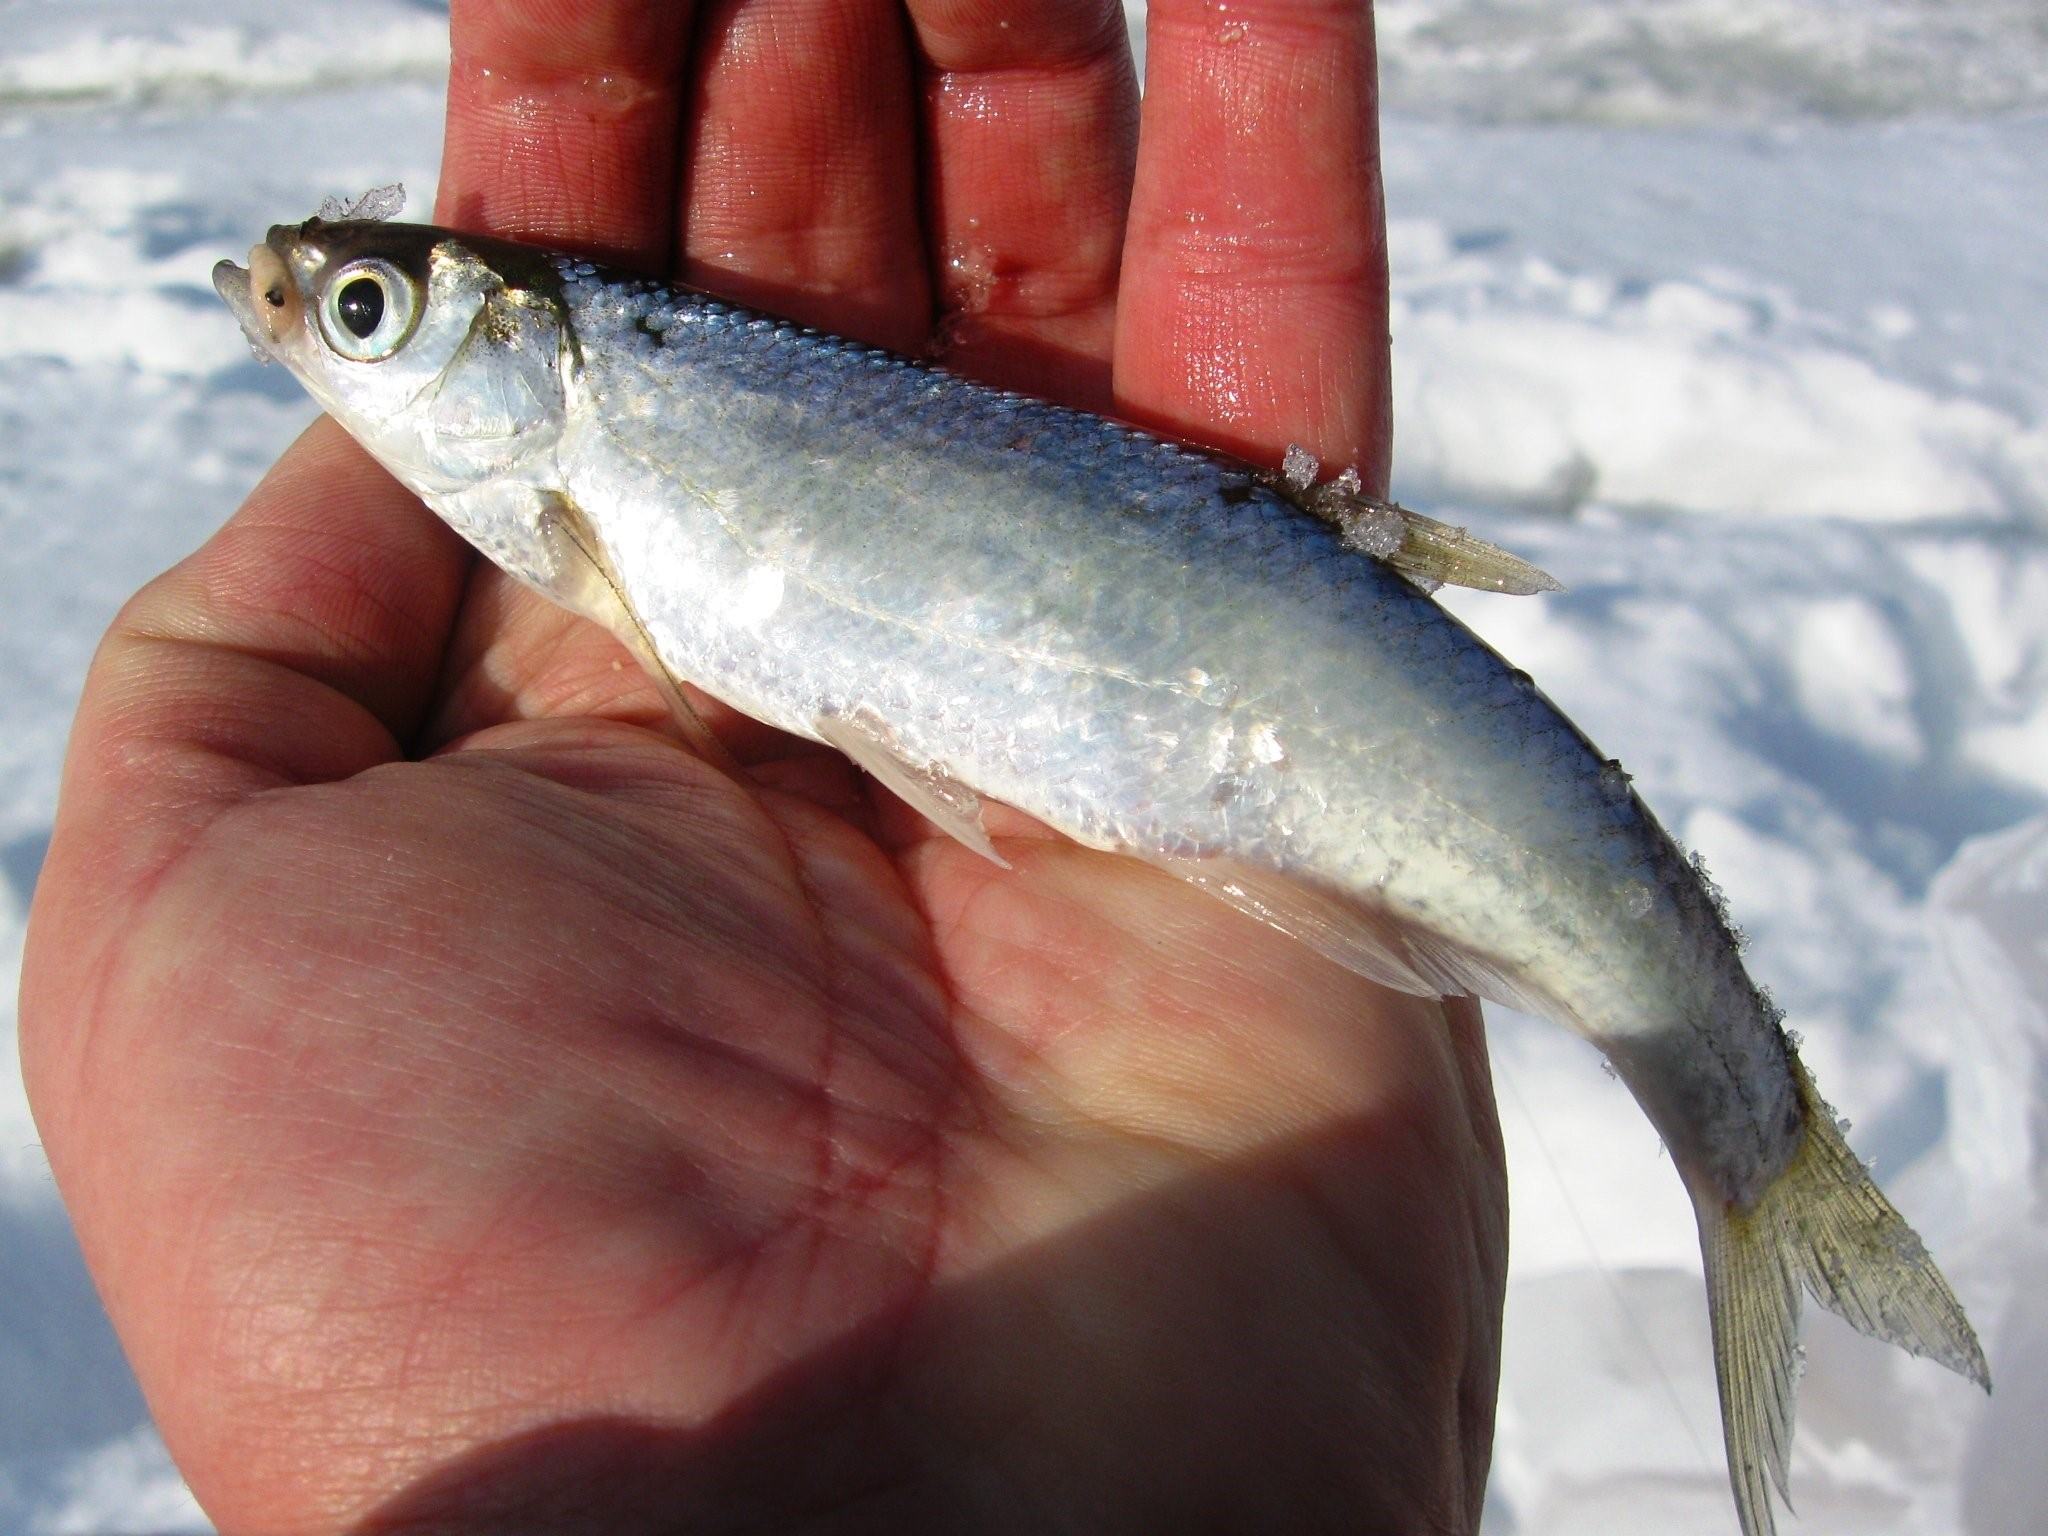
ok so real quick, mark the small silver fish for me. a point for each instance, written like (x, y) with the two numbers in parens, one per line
(1155, 649)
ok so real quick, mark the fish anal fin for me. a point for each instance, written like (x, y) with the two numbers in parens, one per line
(1368, 938)
(1821, 1225)
(1344, 931)
(1453, 968)
(933, 793)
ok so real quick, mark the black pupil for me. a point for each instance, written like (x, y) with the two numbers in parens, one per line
(362, 306)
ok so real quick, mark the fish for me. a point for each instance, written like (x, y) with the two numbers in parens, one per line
(1233, 672)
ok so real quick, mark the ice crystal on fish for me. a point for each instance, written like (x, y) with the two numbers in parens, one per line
(1710, 889)
(1299, 467)
(1369, 527)
(374, 206)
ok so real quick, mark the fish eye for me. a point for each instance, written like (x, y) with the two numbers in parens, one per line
(367, 310)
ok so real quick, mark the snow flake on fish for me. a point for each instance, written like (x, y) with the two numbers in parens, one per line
(1369, 528)
(1712, 891)
(1299, 467)
(374, 206)
(1264, 743)
(752, 603)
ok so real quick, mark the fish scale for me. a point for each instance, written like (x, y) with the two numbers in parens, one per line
(1157, 650)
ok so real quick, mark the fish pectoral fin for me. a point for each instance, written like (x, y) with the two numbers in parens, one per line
(933, 793)
(584, 582)
(1370, 940)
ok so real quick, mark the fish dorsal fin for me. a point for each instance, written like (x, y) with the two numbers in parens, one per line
(928, 789)
(1363, 936)
(1432, 553)
(1442, 554)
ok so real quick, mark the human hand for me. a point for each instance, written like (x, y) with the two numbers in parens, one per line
(480, 1114)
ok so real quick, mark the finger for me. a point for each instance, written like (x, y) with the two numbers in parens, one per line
(801, 173)
(1255, 278)
(562, 122)
(299, 645)
(1031, 118)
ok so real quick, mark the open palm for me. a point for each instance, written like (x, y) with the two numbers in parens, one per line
(481, 1113)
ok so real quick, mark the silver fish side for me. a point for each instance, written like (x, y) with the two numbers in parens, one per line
(1143, 646)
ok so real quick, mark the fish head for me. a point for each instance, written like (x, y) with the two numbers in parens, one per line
(440, 353)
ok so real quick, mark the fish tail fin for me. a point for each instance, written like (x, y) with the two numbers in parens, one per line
(1823, 1226)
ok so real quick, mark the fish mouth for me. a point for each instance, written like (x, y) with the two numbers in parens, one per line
(261, 296)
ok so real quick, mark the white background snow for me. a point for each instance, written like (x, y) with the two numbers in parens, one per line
(1733, 316)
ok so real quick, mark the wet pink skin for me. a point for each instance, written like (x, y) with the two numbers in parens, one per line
(480, 1113)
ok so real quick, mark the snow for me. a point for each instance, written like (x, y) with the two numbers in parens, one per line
(143, 52)
(1853, 679)
(1730, 317)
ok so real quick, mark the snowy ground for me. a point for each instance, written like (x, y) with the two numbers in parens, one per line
(1733, 317)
